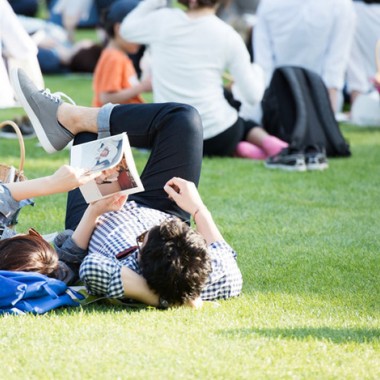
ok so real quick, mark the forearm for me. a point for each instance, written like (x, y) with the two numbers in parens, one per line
(186, 195)
(86, 226)
(34, 188)
(206, 226)
(248, 77)
(249, 83)
(66, 178)
(122, 96)
(136, 287)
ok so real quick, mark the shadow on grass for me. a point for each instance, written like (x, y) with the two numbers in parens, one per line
(333, 335)
(103, 307)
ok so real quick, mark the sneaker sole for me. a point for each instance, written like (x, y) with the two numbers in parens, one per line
(41, 135)
(287, 168)
(315, 167)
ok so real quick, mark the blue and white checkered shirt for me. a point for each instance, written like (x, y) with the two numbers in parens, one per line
(117, 231)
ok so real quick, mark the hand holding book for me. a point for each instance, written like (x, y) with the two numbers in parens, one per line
(112, 157)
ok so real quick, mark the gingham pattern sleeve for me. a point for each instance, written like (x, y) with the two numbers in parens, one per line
(116, 232)
(225, 280)
(101, 275)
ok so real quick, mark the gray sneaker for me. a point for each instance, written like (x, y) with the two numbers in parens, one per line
(288, 159)
(41, 106)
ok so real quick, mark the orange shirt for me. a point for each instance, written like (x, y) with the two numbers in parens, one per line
(114, 72)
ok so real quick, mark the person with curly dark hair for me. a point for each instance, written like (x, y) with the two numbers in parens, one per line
(182, 266)
(170, 256)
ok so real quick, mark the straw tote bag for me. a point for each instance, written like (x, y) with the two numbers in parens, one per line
(9, 173)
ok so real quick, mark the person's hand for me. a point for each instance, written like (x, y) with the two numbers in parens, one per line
(67, 178)
(184, 194)
(196, 303)
(113, 203)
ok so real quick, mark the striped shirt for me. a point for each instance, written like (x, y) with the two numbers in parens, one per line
(117, 231)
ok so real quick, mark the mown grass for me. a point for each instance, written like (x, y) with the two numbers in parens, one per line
(308, 246)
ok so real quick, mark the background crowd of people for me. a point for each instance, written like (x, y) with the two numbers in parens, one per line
(336, 39)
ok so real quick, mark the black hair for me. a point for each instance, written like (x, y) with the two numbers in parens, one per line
(175, 262)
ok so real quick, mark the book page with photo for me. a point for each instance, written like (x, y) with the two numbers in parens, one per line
(112, 156)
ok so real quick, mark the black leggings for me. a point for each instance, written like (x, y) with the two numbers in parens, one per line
(225, 143)
(174, 134)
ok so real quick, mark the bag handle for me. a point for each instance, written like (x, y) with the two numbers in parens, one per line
(20, 141)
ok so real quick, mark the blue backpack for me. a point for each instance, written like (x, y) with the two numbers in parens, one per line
(29, 292)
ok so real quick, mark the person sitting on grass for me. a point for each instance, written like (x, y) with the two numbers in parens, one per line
(115, 79)
(191, 50)
(147, 251)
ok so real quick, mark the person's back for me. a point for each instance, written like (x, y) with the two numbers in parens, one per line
(190, 53)
(312, 34)
(192, 65)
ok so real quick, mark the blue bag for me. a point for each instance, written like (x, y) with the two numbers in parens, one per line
(28, 292)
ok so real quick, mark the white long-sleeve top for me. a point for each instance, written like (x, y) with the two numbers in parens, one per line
(362, 63)
(315, 34)
(14, 42)
(189, 57)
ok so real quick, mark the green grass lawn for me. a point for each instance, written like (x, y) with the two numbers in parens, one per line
(308, 246)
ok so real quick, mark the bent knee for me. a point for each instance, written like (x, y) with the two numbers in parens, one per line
(189, 120)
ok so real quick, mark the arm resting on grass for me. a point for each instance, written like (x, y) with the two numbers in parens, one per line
(136, 287)
(106, 276)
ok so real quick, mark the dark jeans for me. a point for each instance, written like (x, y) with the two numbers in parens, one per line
(174, 134)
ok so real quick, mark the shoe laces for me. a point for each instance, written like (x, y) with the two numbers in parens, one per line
(57, 96)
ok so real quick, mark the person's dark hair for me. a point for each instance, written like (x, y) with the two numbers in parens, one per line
(115, 14)
(175, 262)
(201, 3)
(85, 60)
(106, 24)
(28, 253)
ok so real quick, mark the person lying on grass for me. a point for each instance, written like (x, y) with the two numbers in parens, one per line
(146, 251)
(30, 252)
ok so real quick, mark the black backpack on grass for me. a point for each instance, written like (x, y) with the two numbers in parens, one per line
(297, 109)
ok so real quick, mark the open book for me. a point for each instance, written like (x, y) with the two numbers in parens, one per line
(112, 156)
